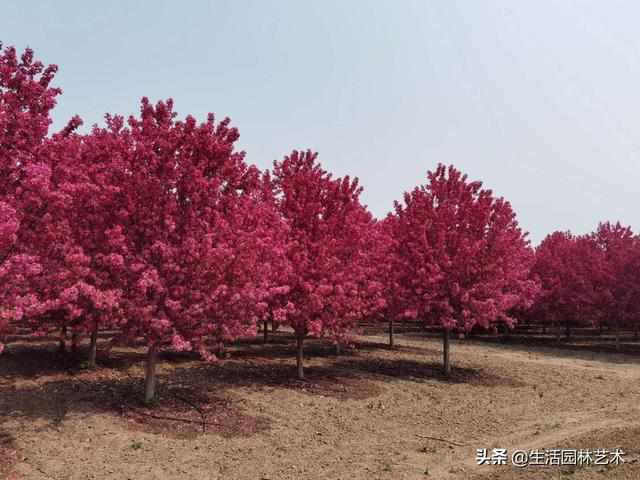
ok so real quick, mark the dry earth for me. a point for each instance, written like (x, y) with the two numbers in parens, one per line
(366, 414)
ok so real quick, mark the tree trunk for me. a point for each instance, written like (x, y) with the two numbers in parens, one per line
(507, 332)
(544, 328)
(74, 343)
(265, 333)
(567, 333)
(150, 380)
(93, 346)
(337, 348)
(635, 334)
(424, 325)
(391, 338)
(300, 357)
(558, 333)
(617, 328)
(446, 357)
(62, 347)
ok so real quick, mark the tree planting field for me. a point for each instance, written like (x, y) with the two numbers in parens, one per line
(139, 259)
(369, 413)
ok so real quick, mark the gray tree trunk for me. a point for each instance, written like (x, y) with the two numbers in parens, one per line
(62, 347)
(446, 356)
(93, 346)
(74, 343)
(391, 337)
(300, 356)
(150, 380)
(507, 331)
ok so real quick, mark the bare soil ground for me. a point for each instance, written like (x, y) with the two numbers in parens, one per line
(369, 413)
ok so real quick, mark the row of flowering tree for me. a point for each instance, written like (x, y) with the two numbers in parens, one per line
(589, 280)
(155, 227)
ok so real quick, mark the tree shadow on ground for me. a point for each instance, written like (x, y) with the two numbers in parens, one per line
(30, 358)
(421, 370)
(44, 386)
(584, 344)
(194, 396)
(33, 361)
(284, 346)
(581, 343)
(325, 380)
(182, 410)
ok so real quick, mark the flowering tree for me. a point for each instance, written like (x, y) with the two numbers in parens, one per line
(575, 281)
(464, 259)
(330, 284)
(255, 278)
(387, 264)
(35, 253)
(193, 231)
(621, 249)
(91, 296)
(47, 218)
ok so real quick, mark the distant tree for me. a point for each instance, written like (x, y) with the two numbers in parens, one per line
(622, 252)
(465, 260)
(388, 266)
(575, 281)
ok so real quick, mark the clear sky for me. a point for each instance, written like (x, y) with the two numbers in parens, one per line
(539, 99)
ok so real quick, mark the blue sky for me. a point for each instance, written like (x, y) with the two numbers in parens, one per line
(539, 99)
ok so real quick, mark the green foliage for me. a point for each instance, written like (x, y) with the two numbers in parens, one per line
(88, 366)
(431, 449)
(543, 427)
(153, 403)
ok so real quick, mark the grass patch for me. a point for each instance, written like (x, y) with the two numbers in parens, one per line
(137, 445)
